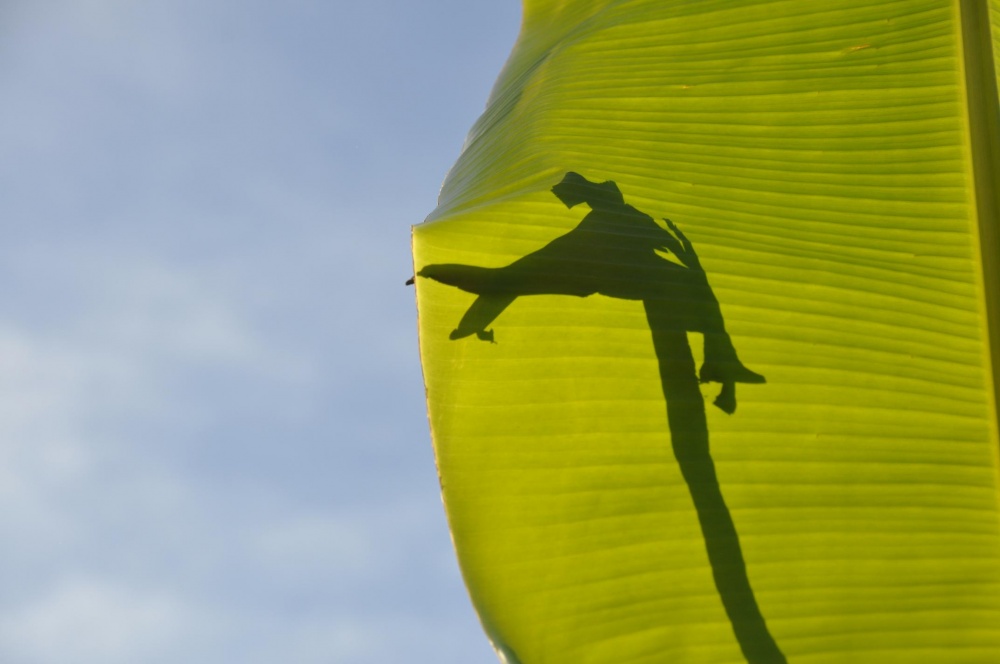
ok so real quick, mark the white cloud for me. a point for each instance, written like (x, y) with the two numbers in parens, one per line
(94, 620)
(206, 347)
(302, 545)
(342, 548)
(75, 386)
(65, 388)
(42, 398)
(132, 311)
(184, 315)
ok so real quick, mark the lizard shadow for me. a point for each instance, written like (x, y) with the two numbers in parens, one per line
(616, 251)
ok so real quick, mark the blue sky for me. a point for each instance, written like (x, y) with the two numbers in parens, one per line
(213, 445)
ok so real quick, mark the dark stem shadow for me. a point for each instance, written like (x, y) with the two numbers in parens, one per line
(688, 425)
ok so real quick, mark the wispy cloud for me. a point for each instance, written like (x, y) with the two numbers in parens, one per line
(213, 445)
(95, 620)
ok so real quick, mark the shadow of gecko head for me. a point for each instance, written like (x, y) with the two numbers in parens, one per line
(575, 189)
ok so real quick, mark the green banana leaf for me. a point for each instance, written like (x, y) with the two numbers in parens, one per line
(665, 204)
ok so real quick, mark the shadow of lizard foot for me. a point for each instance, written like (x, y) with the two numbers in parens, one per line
(482, 335)
(726, 400)
(728, 372)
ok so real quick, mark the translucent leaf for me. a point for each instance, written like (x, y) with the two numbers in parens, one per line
(829, 172)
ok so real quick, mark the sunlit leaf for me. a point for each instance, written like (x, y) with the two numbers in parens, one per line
(829, 170)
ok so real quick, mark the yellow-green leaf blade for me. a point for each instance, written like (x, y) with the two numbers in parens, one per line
(818, 157)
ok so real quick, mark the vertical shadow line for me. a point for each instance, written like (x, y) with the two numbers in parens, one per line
(689, 437)
(984, 139)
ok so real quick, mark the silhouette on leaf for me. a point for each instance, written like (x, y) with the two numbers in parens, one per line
(618, 251)
(613, 252)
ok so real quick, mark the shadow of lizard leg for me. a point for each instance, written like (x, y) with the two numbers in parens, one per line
(481, 313)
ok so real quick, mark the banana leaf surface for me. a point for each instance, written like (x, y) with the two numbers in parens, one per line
(707, 317)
